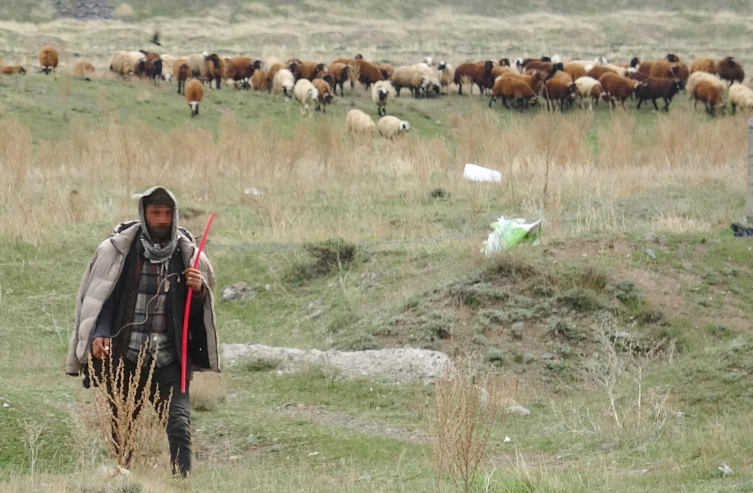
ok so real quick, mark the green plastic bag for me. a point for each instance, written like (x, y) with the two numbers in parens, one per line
(506, 233)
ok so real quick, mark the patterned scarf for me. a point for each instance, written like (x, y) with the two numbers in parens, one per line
(158, 252)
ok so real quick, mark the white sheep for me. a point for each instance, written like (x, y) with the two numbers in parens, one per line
(446, 75)
(307, 95)
(739, 95)
(167, 67)
(391, 127)
(122, 64)
(382, 93)
(358, 122)
(283, 82)
(429, 62)
(698, 76)
(136, 57)
(419, 78)
(197, 65)
(589, 89)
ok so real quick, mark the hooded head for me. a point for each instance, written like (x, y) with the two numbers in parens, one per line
(159, 223)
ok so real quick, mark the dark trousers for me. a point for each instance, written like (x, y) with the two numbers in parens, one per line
(165, 380)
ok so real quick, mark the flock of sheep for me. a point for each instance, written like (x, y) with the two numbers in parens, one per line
(561, 85)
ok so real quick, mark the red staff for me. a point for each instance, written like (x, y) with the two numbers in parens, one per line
(188, 311)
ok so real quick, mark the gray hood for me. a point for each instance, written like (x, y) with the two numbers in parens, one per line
(156, 252)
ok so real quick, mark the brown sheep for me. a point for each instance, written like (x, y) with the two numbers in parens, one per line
(598, 70)
(12, 70)
(500, 70)
(710, 95)
(368, 72)
(340, 74)
(83, 69)
(655, 88)
(515, 89)
(703, 64)
(575, 70)
(618, 87)
(547, 68)
(304, 69)
(215, 70)
(730, 70)
(325, 94)
(534, 80)
(150, 66)
(273, 69)
(479, 73)
(645, 67)
(242, 68)
(559, 87)
(48, 59)
(387, 70)
(259, 80)
(194, 95)
(664, 69)
(181, 72)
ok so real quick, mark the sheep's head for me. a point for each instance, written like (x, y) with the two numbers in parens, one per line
(672, 58)
(256, 65)
(533, 101)
(326, 96)
(605, 97)
(314, 93)
(383, 93)
(385, 73)
(22, 71)
(504, 62)
(358, 57)
(556, 59)
(519, 62)
(488, 66)
(404, 126)
(329, 79)
(634, 62)
(442, 66)
(194, 105)
(287, 90)
(679, 84)
(546, 59)
(320, 67)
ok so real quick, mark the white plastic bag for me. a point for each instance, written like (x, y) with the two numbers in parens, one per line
(506, 233)
(474, 172)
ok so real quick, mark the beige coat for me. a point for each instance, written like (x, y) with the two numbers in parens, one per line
(100, 279)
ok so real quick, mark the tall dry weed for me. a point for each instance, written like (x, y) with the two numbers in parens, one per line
(616, 141)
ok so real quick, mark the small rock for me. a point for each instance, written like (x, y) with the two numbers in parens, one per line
(233, 458)
(276, 448)
(313, 453)
(507, 440)
(5, 404)
(651, 253)
(651, 238)
(253, 191)
(240, 291)
(547, 356)
(267, 287)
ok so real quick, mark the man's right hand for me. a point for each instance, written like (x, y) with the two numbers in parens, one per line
(101, 347)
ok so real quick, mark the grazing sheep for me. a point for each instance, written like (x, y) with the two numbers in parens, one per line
(664, 69)
(48, 59)
(122, 64)
(198, 65)
(12, 70)
(84, 69)
(271, 67)
(740, 95)
(547, 68)
(149, 66)
(619, 88)
(478, 73)
(182, 72)
(698, 76)
(559, 87)
(306, 95)
(241, 69)
(304, 69)
(730, 70)
(513, 88)
(340, 73)
(653, 89)
(703, 64)
(589, 88)
(576, 71)
(136, 57)
(387, 70)
(381, 94)
(358, 122)
(368, 73)
(391, 127)
(283, 83)
(259, 80)
(710, 95)
(407, 76)
(534, 79)
(167, 67)
(325, 94)
(447, 75)
(194, 94)
(214, 70)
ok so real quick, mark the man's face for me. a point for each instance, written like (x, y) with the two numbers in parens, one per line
(159, 220)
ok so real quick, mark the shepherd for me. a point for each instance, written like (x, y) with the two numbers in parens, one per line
(132, 298)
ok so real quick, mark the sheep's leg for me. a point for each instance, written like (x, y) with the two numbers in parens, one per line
(504, 102)
(491, 101)
(734, 109)
(666, 104)
(655, 105)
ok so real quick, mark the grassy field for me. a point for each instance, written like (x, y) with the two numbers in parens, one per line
(73, 152)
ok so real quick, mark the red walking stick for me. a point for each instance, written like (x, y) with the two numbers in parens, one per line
(184, 352)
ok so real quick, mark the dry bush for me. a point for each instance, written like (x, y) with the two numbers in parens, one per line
(461, 421)
(207, 391)
(121, 412)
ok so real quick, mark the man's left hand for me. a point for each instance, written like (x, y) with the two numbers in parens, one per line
(194, 279)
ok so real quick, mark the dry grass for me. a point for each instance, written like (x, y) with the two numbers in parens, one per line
(91, 174)
(207, 391)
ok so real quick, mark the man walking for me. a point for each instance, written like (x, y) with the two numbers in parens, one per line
(132, 298)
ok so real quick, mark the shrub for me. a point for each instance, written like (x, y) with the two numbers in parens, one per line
(330, 254)
(579, 299)
(496, 356)
(358, 342)
(563, 326)
(625, 291)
